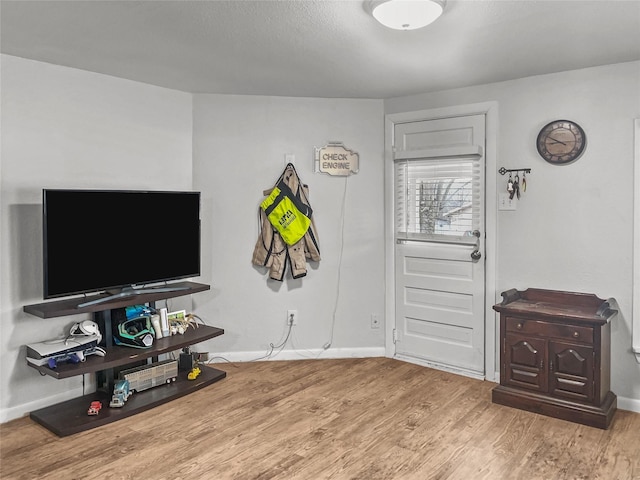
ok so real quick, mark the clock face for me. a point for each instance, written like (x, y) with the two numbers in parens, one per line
(561, 142)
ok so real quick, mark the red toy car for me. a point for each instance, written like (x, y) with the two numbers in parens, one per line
(94, 408)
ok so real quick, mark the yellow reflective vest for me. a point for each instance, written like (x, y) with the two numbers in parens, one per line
(288, 233)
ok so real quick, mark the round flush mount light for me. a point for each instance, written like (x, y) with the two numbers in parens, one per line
(406, 14)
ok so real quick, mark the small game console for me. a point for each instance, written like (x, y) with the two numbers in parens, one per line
(60, 346)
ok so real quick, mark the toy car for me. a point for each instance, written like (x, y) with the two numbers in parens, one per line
(121, 393)
(193, 374)
(94, 408)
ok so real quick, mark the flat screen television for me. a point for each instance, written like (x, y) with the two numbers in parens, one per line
(118, 241)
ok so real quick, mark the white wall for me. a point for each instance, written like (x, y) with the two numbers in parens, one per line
(239, 147)
(67, 128)
(573, 229)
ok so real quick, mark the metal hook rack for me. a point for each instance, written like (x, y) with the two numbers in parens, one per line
(503, 170)
(513, 186)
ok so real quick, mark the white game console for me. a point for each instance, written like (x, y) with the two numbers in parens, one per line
(61, 346)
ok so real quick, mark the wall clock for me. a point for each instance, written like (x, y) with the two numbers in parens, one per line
(561, 142)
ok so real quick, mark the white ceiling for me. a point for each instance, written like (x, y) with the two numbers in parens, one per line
(319, 48)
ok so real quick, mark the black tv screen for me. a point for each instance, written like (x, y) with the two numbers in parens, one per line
(102, 240)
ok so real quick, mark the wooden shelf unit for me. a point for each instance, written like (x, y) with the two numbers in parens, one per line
(71, 417)
(555, 355)
(118, 356)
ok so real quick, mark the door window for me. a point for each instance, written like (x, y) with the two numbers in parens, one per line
(437, 198)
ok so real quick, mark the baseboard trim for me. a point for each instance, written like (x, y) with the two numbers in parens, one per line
(300, 354)
(11, 413)
(438, 366)
(630, 404)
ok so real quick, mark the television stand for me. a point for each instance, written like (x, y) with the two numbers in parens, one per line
(70, 417)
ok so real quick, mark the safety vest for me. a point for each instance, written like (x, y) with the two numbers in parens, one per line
(271, 250)
(286, 212)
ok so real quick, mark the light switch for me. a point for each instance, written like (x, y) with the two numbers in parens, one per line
(506, 203)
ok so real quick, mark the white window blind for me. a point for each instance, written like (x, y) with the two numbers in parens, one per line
(437, 198)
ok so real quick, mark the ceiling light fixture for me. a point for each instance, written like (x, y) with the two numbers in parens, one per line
(406, 14)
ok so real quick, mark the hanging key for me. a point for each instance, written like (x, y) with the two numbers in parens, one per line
(514, 188)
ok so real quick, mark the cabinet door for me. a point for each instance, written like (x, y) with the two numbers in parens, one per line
(525, 361)
(571, 371)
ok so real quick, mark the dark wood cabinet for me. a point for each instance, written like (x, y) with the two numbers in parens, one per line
(555, 355)
(70, 417)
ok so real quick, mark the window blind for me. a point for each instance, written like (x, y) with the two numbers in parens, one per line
(438, 198)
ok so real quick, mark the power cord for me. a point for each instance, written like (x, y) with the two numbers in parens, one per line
(299, 351)
(270, 354)
(335, 306)
(273, 347)
(222, 358)
(191, 319)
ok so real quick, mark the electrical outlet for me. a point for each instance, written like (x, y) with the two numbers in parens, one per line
(375, 320)
(292, 317)
(201, 356)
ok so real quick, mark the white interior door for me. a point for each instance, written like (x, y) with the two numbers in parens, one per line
(439, 232)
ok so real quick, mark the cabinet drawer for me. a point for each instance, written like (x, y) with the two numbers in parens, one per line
(546, 329)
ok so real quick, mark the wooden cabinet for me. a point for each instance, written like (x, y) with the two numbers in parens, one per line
(555, 355)
(70, 417)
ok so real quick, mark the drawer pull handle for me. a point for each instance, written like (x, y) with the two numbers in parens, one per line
(519, 326)
(576, 334)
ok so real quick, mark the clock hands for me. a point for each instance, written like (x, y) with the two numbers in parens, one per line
(556, 141)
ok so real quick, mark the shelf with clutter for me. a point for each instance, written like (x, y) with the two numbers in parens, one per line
(71, 417)
(118, 356)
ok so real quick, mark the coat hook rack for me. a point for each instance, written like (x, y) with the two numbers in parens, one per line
(503, 170)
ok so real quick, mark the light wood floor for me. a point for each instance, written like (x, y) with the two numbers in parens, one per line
(361, 419)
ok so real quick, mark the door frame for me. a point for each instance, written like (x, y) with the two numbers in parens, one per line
(490, 110)
(635, 305)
